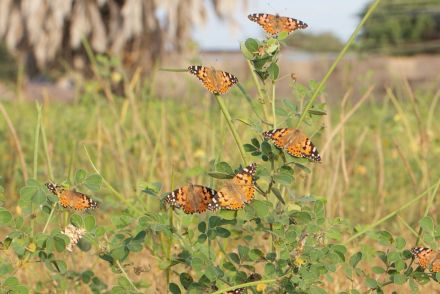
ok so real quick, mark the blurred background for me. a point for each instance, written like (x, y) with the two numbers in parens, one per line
(44, 43)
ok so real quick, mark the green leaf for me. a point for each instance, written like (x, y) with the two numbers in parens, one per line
(355, 259)
(202, 227)
(427, 224)
(93, 182)
(18, 289)
(400, 243)
(262, 208)
(269, 269)
(371, 283)
(76, 220)
(378, 270)
(5, 268)
(266, 148)
(174, 289)
(186, 280)
(89, 222)
(80, 176)
(222, 232)
(202, 238)
(246, 53)
(317, 112)
(399, 279)
(256, 254)
(251, 45)
(234, 257)
(120, 253)
(249, 148)
(5, 216)
(273, 71)
(277, 194)
(255, 142)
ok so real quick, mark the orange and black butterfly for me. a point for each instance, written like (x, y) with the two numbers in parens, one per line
(427, 258)
(239, 190)
(215, 81)
(295, 142)
(71, 198)
(275, 24)
(193, 198)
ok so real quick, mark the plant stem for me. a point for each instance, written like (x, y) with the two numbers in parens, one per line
(107, 184)
(391, 214)
(37, 139)
(170, 241)
(337, 60)
(273, 106)
(231, 127)
(46, 151)
(126, 276)
(49, 218)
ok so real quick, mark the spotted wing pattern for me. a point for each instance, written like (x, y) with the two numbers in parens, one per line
(193, 199)
(237, 291)
(275, 24)
(239, 190)
(215, 81)
(427, 258)
(71, 198)
(295, 142)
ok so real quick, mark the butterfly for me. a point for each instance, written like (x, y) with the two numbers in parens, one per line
(215, 81)
(237, 291)
(295, 142)
(239, 190)
(427, 258)
(72, 198)
(193, 198)
(275, 24)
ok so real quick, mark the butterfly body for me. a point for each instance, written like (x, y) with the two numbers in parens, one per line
(237, 291)
(71, 198)
(275, 24)
(215, 81)
(239, 190)
(427, 258)
(193, 199)
(295, 142)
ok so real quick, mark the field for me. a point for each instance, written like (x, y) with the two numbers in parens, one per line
(345, 224)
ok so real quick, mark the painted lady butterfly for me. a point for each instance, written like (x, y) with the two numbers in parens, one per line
(239, 190)
(72, 198)
(237, 291)
(275, 24)
(193, 198)
(215, 81)
(427, 258)
(295, 142)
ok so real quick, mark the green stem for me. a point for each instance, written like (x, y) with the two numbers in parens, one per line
(50, 217)
(259, 87)
(338, 59)
(37, 139)
(391, 214)
(46, 151)
(273, 106)
(231, 127)
(110, 187)
(174, 69)
(250, 101)
(170, 241)
(126, 276)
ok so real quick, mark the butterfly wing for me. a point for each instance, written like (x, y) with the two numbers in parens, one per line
(237, 291)
(225, 81)
(216, 82)
(266, 21)
(274, 24)
(294, 142)
(76, 200)
(424, 256)
(239, 190)
(71, 198)
(289, 24)
(193, 198)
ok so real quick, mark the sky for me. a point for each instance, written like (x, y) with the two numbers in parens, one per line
(336, 16)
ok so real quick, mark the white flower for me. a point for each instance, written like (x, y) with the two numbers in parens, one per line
(74, 235)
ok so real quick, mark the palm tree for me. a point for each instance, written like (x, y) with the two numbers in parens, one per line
(43, 32)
